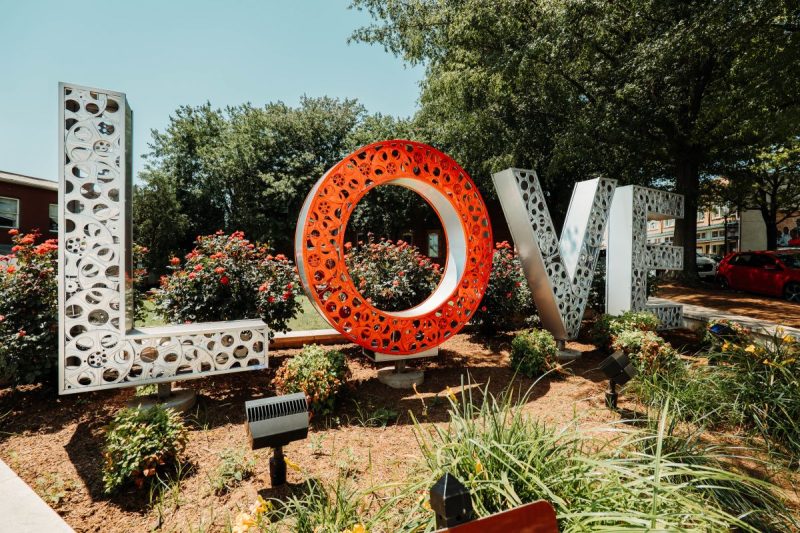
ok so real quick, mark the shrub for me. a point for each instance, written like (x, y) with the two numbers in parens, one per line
(320, 374)
(391, 276)
(507, 303)
(606, 327)
(29, 310)
(651, 353)
(534, 352)
(234, 467)
(140, 443)
(226, 277)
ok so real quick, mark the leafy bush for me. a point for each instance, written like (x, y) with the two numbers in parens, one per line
(755, 387)
(606, 327)
(534, 352)
(140, 443)
(321, 374)
(234, 467)
(226, 277)
(507, 303)
(651, 353)
(392, 276)
(29, 310)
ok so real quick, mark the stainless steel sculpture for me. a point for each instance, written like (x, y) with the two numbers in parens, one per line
(629, 257)
(559, 271)
(99, 347)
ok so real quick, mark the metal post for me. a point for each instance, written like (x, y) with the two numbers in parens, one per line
(611, 395)
(277, 467)
(164, 391)
(400, 366)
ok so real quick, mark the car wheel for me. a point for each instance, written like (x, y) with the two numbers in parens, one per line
(792, 292)
(723, 282)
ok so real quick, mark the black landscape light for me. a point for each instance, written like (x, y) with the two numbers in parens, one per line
(274, 423)
(451, 502)
(619, 370)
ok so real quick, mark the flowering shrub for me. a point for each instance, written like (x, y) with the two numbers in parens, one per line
(507, 303)
(140, 443)
(391, 276)
(29, 310)
(534, 352)
(649, 352)
(226, 277)
(321, 374)
(606, 327)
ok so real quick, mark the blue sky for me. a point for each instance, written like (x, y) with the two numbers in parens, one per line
(163, 54)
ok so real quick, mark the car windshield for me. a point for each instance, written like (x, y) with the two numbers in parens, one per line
(790, 260)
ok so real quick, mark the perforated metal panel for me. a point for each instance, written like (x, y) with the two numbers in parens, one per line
(99, 348)
(559, 271)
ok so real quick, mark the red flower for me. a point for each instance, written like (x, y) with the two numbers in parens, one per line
(401, 274)
(174, 261)
(290, 285)
(15, 249)
(13, 232)
(483, 308)
(224, 280)
(219, 270)
(21, 333)
(198, 268)
(347, 246)
(2, 317)
(509, 295)
(10, 269)
(262, 288)
(271, 299)
(287, 295)
(192, 275)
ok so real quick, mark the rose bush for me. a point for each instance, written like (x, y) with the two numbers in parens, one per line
(508, 303)
(392, 276)
(29, 310)
(226, 277)
(319, 373)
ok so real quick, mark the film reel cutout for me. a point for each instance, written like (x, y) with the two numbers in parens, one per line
(319, 246)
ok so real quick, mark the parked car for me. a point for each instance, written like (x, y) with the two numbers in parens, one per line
(776, 273)
(706, 267)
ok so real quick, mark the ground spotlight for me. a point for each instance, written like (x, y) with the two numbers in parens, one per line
(619, 370)
(274, 423)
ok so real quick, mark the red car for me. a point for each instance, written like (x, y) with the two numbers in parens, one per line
(776, 273)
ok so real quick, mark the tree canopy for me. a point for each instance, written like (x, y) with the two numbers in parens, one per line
(645, 91)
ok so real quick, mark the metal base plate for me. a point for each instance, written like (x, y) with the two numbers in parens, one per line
(180, 400)
(388, 358)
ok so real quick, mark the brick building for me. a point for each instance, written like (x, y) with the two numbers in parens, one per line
(27, 203)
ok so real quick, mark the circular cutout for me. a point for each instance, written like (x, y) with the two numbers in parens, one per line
(319, 246)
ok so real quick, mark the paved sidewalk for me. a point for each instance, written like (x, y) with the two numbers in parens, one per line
(21, 509)
(696, 316)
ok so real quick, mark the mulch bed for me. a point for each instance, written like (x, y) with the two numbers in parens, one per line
(54, 443)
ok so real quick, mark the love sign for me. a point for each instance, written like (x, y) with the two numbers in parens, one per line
(101, 348)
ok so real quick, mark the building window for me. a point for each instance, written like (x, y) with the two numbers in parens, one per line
(53, 218)
(701, 215)
(9, 213)
(719, 212)
(433, 244)
(669, 223)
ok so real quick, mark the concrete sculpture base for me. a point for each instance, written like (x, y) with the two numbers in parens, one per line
(179, 400)
(398, 377)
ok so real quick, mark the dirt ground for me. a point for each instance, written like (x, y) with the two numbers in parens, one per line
(755, 306)
(54, 443)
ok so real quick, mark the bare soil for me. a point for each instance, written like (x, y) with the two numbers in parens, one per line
(55, 443)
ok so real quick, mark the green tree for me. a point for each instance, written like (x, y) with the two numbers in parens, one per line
(772, 178)
(648, 92)
(242, 168)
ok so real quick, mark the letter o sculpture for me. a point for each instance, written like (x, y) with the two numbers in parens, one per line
(319, 246)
